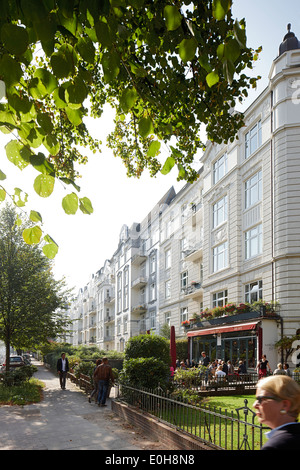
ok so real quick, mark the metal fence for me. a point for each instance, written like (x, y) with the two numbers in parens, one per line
(234, 430)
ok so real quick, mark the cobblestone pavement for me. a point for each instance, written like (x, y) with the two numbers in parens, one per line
(65, 420)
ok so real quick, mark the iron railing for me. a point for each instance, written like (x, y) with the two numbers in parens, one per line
(229, 430)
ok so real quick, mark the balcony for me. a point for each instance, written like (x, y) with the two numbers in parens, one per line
(139, 282)
(109, 318)
(142, 308)
(194, 253)
(138, 258)
(109, 299)
(194, 290)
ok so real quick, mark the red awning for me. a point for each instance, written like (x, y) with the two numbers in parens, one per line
(222, 329)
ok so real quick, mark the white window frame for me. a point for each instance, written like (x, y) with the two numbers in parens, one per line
(220, 257)
(167, 289)
(184, 279)
(253, 189)
(184, 311)
(253, 139)
(220, 212)
(220, 298)
(168, 258)
(253, 242)
(254, 291)
(220, 168)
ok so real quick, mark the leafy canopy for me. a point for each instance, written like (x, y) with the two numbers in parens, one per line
(165, 67)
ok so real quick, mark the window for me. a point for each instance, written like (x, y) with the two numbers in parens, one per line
(183, 314)
(168, 259)
(220, 257)
(152, 319)
(167, 289)
(168, 318)
(183, 247)
(253, 139)
(152, 264)
(253, 242)
(220, 212)
(253, 291)
(184, 212)
(183, 280)
(253, 189)
(220, 298)
(152, 292)
(125, 324)
(220, 168)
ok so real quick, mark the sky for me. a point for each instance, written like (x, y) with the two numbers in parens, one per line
(86, 241)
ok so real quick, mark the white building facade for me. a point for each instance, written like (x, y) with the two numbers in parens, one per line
(232, 236)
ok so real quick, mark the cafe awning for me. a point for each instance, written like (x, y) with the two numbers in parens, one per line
(223, 329)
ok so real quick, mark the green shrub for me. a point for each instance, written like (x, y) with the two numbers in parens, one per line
(18, 376)
(86, 368)
(147, 372)
(148, 346)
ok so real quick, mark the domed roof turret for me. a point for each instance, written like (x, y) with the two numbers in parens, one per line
(289, 42)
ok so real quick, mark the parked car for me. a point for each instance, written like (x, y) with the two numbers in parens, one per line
(14, 361)
(27, 358)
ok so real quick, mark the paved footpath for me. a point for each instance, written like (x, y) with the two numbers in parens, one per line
(65, 420)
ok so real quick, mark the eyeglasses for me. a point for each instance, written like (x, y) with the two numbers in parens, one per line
(261, 398)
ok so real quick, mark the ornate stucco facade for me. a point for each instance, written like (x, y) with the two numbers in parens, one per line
(232, 236)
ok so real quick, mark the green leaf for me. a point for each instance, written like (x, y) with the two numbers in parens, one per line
(15, 38)
(2, 176)
(204, 62)
(229, 70)
(221, 8)
(111, 65)
(128, 99)
(173, 17)
(70, 203)
(240, 34)
(145, 127)
(74, 116)
(86, 49)
(2, 194)
(154, 148)
(168, 165)
(45, 121)
(75, 94)
(17, 197)
(47, 79)
(50, 250)
(85, 205)
(63, 61)
(103, 34)
(32, 235)
(18, 154)
(212, 78)
(44, 185)
(10, 70)
(187, 49)
(41, 164)
(35, 216)
(51, 144)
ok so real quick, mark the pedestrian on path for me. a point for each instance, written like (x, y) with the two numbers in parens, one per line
(103, 374)
(262, 367)
(62, 369)
(95, 390)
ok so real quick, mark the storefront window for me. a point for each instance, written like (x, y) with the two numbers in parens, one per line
(231, 348)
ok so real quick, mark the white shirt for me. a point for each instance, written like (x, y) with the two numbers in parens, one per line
(63, 362)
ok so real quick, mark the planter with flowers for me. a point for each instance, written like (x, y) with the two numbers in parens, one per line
(231, 313)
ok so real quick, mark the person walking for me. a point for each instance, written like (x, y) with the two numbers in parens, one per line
(277, 406)
(262, 367)
(62, 369)
(95, 389)
(103, 374)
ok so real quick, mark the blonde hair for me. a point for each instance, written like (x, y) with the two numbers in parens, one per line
(285, 388)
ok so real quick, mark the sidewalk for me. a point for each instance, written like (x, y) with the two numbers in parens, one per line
(65, 420)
